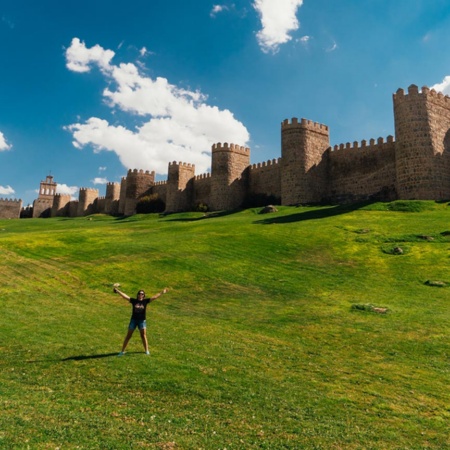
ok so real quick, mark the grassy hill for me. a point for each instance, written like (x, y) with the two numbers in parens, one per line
(309, 328)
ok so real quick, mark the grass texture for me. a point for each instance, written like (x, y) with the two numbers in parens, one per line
(301, 329)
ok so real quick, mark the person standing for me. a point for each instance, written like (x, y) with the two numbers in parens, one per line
(138, 316)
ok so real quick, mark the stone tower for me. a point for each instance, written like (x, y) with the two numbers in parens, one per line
(180, 187)
(42, 206)
(112, 198)
(229, 177)
(87, 202)
(138, 183)
(422, 132)
(303, 172)
(60, 205)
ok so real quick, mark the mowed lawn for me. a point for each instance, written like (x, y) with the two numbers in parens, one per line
(270, 336)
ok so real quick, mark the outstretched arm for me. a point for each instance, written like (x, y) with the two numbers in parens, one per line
(125, 296)
(159, 294)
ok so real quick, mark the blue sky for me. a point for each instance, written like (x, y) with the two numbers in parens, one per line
(92, 88)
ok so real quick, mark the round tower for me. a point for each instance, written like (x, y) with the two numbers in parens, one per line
(303, 170)
(180, 186)
(229, 178)
(138, 183)
(422, 125)
(86, 201)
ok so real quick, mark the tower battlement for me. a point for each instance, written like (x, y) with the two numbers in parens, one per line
(181, 164)
(225, 147)
(305, 124)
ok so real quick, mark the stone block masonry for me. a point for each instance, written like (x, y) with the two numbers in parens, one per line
(413, 165)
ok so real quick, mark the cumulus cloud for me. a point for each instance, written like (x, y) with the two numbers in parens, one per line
(278, 19)
(8, 190)
(443, 87)
(99, 180)
(178, 124)
(64, 189)
(3, 144)
(80, 58)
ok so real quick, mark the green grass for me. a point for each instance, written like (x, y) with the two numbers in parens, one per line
(268, 338)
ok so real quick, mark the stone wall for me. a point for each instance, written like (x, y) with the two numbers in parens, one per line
(87, 202)
(202, 190)
(416, 165)
(303, 173)
(179, 195)
(112, 199)
(362, 172)
(265, 179)
(138, 183)
(60, 206)
(10, 209)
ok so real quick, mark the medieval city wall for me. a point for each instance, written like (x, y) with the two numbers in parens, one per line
(414, 165)
(112, 198)
(138, 183)
(10, 209)
(60, 206)
(265, 179)
(229, 176)
(359, 172)
(87, 202)
(160, 189)
(180, 187)
(202, 190)
(42, 207)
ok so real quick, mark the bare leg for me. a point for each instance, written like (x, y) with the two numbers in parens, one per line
(127, 338)
(143, 332)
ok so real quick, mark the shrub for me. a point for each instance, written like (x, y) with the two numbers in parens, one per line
(259, 200)
(150, 204)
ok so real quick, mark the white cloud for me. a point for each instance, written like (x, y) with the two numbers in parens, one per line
(64, 189)
(443, 87)
(8, 190)
(102, 168)
(99, 180)
(181, 126)
(217, 9)
(79, 58)
(3, 144)
(278, 19)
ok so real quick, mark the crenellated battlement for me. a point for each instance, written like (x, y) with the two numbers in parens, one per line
(425, 92)
(160, 183)
(181, 164)
(87, 190)
(140, 171)
(268, 163)
(203, 176)
(225, 147)
(305, 124)
(10, 200)
(363, 145)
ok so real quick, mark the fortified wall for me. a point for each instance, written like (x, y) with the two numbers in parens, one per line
(413, 165)
(10, 209)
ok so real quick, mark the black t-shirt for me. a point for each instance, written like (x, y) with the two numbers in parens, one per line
(139, 308)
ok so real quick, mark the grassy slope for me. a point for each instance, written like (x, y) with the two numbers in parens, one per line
(256, 346)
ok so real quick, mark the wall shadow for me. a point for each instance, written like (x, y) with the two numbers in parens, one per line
(322, 213)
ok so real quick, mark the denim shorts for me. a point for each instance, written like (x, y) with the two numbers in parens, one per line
(141, 324)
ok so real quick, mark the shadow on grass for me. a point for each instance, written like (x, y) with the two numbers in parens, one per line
(83, 357)
(210, 215)
(321, 213)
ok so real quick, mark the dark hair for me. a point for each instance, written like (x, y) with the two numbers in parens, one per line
(140, 291)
